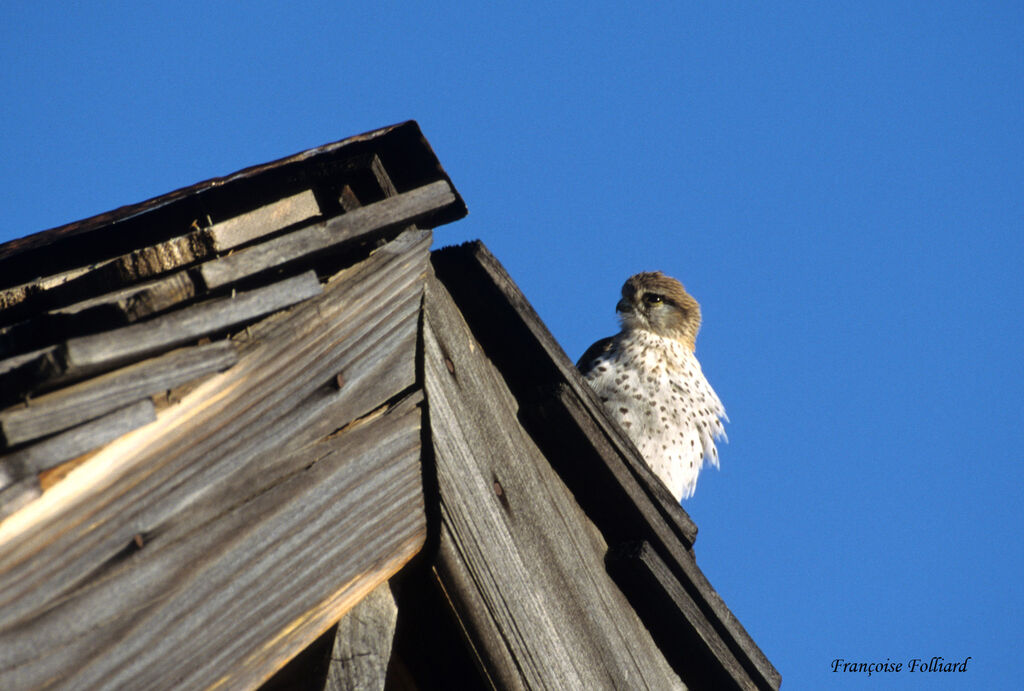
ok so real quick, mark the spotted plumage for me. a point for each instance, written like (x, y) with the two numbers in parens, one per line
(651, 383)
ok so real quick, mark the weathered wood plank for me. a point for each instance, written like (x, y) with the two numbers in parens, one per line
(108, 275)
(362, 644)
(402, 209)
(137, 301)
(523, 565)
(263, 221)
(92, 398)
(685, 634)
(15, 295)
(154, 260)
(110, 310)
(90, 353)
(74, 442)
(20, 374)
(368, 182)
(14, 497)
(228, 604)
(253, 427)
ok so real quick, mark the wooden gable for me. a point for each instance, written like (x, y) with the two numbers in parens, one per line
(255, 432)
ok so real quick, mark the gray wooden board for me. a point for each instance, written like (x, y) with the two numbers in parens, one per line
(13, 497)
(100, 351)
(238, 429)
(109, 310)
(265, 220)
(20, 374)
(107, 275)
(111, 278)
(136, 301)
(230, 600)
(74, 442)
(100, 395)
(485, 292)
(15, 362)
(362, 644)
(523, 565)
(401, 209)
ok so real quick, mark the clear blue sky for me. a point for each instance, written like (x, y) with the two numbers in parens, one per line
(840, 184)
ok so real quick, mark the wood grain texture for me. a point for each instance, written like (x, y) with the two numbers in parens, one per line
(100, 351)
(106, 311)
(402, 209)
(136, 301)
(520, 560)
(362, 644)
(114, 274)
(14, 497)
(74, 442)
(230, 488)
(20, 375)
(265, 220)
(230, 603)
(100, 395)
(592, 455)
(15, 295)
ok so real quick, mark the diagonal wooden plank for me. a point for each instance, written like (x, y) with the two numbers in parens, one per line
(137, 301)
(521, 562)
(21, 374)
(402, 209)
(15, 295)
(15, 496)
(74, 442)
(104, 350)
(228, 601)
(109, 310)
(241, 429)
(686, 636)
(92, 398)
(263, 221)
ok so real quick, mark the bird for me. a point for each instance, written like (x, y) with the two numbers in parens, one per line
(651, 383)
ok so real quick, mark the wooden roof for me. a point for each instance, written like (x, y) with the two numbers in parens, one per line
(231, 416)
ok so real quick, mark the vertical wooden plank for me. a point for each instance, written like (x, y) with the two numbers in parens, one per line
(521, 562)
(362, 644)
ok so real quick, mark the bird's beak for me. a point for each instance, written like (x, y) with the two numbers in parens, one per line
(623, 307)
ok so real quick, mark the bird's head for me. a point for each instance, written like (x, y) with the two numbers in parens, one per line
(658, 303)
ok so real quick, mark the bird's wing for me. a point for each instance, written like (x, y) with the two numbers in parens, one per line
(587, 360)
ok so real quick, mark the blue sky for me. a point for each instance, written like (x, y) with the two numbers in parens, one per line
(839, 184)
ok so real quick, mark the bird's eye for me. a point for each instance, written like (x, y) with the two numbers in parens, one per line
(653, 298)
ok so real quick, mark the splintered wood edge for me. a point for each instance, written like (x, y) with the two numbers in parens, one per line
(110, 463)
(71, 443)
